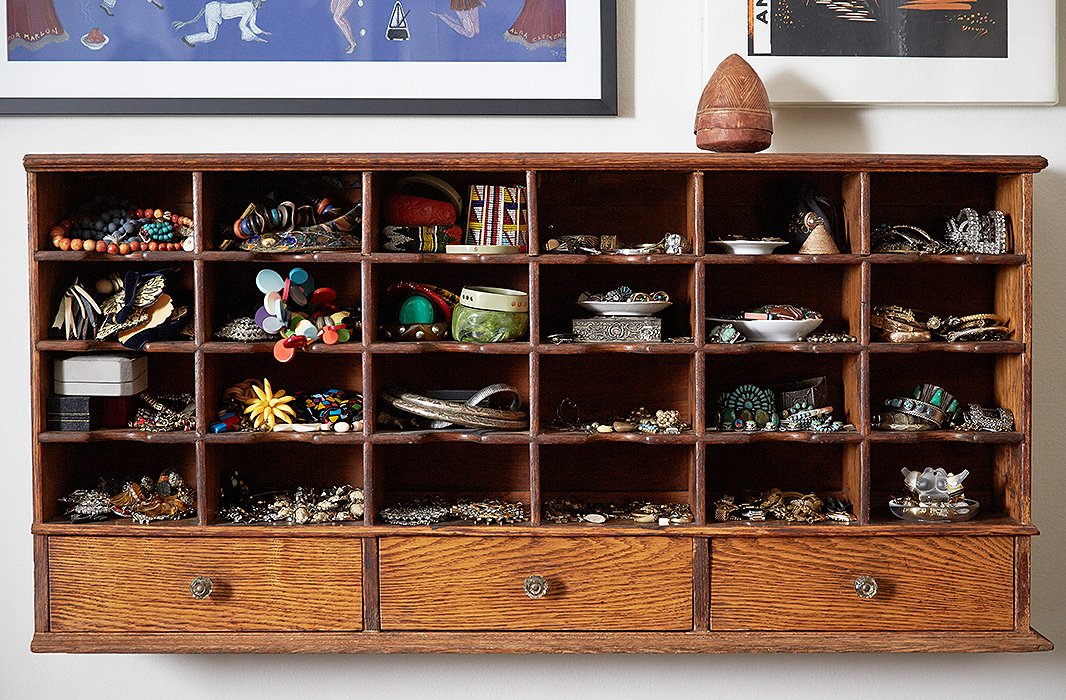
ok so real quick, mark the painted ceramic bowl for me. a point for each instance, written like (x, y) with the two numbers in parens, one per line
(624, 308)
(772, 331)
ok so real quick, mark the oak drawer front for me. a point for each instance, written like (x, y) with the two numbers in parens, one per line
(479, 583)
(101, 584)
(809, 583)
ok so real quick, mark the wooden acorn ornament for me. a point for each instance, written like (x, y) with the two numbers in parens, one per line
(734, 111)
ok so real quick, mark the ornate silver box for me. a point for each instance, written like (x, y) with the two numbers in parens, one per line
(618, 329)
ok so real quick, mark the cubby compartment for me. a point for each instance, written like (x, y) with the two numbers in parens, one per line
(842, 372)
(618, 473)
(230, 291)
(227, 194)
(386, 305)
(636, 206)
(561, 285)
(54, 277)
(168, 373)
(60, 195)
(602, 386)
(834, 290)
(927, 200)
(387, 182)
(754, 205)
(266, 468)
(746, 470)
(307, 372)
(954, 290)
(75, 466)
(451, 471)
(995, 480)
(431, 372)
(990, 380)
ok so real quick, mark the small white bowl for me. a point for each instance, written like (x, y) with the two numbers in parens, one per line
(95, 47)
(624, 308)
(750, 247)
(772, 331)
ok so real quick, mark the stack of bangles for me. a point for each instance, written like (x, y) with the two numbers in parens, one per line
(898, 324)
(286, 216)
(929, 407)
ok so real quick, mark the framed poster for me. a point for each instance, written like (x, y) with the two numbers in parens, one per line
(309, 57)
(890, 51)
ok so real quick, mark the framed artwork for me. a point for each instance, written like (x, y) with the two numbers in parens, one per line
(890, 51)
(309, 57)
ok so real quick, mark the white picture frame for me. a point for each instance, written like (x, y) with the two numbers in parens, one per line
(1027, 75)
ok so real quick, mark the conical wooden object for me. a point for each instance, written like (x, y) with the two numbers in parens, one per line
(734, 111)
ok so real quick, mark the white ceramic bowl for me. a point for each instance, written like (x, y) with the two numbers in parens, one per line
(95, 47)
(624, 308)
(772, 331)
(750, 247)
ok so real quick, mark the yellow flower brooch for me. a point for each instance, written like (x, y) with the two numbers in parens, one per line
(266, 407)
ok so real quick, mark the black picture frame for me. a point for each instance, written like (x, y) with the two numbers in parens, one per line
(605, 105)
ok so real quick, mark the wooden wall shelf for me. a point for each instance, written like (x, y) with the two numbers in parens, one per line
(618, 587)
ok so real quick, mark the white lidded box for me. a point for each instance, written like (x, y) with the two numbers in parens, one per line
(101, 375)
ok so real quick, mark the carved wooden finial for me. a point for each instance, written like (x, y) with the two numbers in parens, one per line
(734, 111)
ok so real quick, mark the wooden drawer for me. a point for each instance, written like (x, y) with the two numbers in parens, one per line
(99, 584)
(594, 583)
(923, 583)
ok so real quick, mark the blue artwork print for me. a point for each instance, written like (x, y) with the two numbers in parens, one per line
(499, 31)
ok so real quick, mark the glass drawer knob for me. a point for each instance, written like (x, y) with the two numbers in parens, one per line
(536, 586)
(200, 587)
(866, 587)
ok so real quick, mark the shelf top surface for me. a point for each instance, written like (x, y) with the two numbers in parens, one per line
(536, 161)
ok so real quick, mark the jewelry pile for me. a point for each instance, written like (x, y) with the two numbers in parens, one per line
(436, 510)
(966, 232)
(165, 413)
(929, 407)
(297, 311)
(315, 225)
(788, 408)
(934, 496)
(587, 244)
(165, 498)
(147, 314)
(116, 229)
(298, 506)
(789, 506)
(497, 407)
(253, 405)
(641, 420)
(624, 294)
(898, 324)
(564, 511)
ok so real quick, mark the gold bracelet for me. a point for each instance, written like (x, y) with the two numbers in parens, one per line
(908, 337)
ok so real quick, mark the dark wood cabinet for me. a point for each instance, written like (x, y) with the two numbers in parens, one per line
(368, 586)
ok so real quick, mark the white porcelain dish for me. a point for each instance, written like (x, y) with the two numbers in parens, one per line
(624, 308)
(772, 331)
(750, 247)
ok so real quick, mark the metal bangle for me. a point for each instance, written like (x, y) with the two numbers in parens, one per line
(908, 337)
(918, 409)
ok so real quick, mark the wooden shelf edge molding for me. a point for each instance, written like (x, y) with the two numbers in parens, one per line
(530, 161)
(540, 642)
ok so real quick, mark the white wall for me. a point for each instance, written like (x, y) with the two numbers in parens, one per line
(659, 77)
